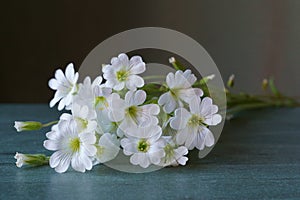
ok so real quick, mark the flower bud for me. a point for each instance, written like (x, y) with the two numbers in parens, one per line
(27, 126)
(30, 159)
(177, 65)
(205, 79)
(265, 84)
(21, 159)
(230, 82)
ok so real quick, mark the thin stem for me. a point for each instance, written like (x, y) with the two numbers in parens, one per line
(50, 123)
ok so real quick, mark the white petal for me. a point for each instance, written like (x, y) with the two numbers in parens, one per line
(110, 83)
(77, 163)
(83, 113)
(52, 135)
(181, 80)
(116, 115)
(170, 106)
(55, 158)
(66, 116)
(170, 80)
(129, 97)
(51, 145)
(181, 136)
(97, 81)
(70, 72)
(152, 109)
(63, 164)
(164, 98)
(191, 78)
(137, 65)
(58, 95)
(180, 151)
(144, 160)
(135, 159)
(139, 97)
(88, 138)
(138, 68)
(119, 86)
(180, 120)
(156, 156)
(182, 160)
(134, 81)
(61, 104)
(191, 136)
(189, 94)
(53, 84)
(195, 105)
(209, 138)
(124, 59)
(205, 106)
(130, 148)
(59, 75)
(213, 120)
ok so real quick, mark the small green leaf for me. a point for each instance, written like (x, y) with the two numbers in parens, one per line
(273, 88)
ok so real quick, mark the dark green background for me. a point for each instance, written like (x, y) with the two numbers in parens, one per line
(252, 39)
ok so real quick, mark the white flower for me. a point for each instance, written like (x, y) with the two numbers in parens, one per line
(105, 125)
(71, 147)
(192, 126)
(144, 146)
(92, 94)
(84, 117)
(180, 86)
(174, 155)
(65, 86)
(27, 126)
(135, 114)
(21, 159)
(115, 107)
(123, 72)
(107, 148)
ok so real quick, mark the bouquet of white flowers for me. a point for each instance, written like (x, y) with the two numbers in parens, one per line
(153, 124)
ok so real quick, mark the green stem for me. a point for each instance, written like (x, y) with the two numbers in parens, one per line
(50, 123)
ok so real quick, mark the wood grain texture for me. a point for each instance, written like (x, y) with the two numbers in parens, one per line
(257, 157)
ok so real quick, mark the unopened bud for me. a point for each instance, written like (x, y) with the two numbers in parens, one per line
(205, 79)
(172, 60)
(265, 84)
(28, 126)
(230, 82)
(30, 159)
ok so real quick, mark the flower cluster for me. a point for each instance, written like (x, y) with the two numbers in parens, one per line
(115, 113)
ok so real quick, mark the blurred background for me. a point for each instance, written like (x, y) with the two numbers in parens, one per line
(252, 39)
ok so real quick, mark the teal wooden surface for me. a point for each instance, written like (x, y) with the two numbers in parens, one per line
(257, 157)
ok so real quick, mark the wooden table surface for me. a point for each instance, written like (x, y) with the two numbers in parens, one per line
(257, 157)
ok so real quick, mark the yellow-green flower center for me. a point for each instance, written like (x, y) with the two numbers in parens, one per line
(75, 144)
(101, 102)
(143, 146)
(100, 150)
(122, 75)
(132, 111)
(174, 92)
(82, 122)
(196, 120)
(169, 150)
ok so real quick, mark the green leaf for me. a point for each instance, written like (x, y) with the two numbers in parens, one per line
(273, 88)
